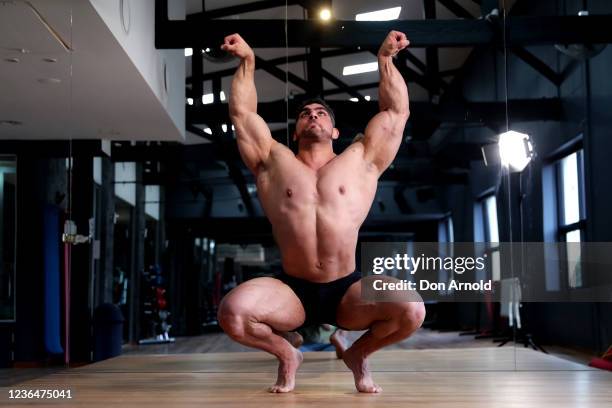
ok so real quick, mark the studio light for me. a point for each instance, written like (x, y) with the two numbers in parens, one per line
(325, 14)
(515, 150)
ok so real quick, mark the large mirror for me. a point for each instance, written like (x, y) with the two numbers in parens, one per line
(446, 203)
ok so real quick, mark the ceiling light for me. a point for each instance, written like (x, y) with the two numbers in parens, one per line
(11, 122)
(189, 101)
(380, 15)
(360, 68)
(188, 52)
(354, 100)
(224, 127)
(208, 131)
(367, 97)
(515, 150)
(207, 50)
(208, 98)
(49, 80)
(325, 14)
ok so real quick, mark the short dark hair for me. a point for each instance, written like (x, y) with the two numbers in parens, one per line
(321, 102)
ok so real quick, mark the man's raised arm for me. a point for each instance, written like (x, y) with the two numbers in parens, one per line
(383, 135)
(252, 133)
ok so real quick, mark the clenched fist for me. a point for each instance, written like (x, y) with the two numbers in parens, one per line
(394, 43)
(235, 45)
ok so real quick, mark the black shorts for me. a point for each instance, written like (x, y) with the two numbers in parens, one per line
(320, 300)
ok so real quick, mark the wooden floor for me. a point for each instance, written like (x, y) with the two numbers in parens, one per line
(475, 377)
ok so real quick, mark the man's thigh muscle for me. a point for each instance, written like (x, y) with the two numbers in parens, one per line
(266, 300)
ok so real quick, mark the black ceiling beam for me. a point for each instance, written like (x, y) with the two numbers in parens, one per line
(336, 91)
(239, 9)
(539, 65)
(520, 31)
(431, 54)
(281, 60)
(197, 70)
(280, 74)
(234, 169)
(471, 112)
(337, 33)
(341, 85)
(415, 61)
(456, 9)
(360, 87)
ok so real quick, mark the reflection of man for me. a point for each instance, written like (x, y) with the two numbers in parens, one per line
(316, 201)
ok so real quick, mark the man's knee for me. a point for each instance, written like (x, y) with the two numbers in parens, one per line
(411, 316)
(232, 319)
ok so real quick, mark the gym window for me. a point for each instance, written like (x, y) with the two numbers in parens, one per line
(486, 229)
(571, 212)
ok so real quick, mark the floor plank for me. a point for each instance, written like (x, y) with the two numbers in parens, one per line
(437, 378)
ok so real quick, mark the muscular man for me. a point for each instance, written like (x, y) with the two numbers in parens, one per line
(316, 201)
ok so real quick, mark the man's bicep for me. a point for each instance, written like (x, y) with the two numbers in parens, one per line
(254, 139)
(383, 137)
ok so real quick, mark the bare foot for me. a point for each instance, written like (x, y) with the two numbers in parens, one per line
(286, 373)
(359, 366)
(339, 342)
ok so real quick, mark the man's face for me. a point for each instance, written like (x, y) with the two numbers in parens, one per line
(314, 122)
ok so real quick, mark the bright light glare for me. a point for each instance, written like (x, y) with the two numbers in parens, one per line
(208, 98)
(325, 14)
(189, 101)
(354, 100)
(360, 68)
(367, 97)
(380, 15)
(515, 150)
(188, 52)
(224, 127)
(208, 131)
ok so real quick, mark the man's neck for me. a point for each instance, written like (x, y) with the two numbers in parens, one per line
(315, 155)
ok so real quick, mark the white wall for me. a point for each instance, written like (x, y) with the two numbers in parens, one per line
(136, 34)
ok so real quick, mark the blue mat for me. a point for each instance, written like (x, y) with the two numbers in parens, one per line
(51, 251)
(317, 347)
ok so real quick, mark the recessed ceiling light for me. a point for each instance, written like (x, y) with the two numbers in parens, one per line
(380, 15)
(367, 97)
(354, 99)
(360, 68)
(49, 80)
(189, 101)
(11, 122)
(19, 50)
(208, 131)
(224, 128)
